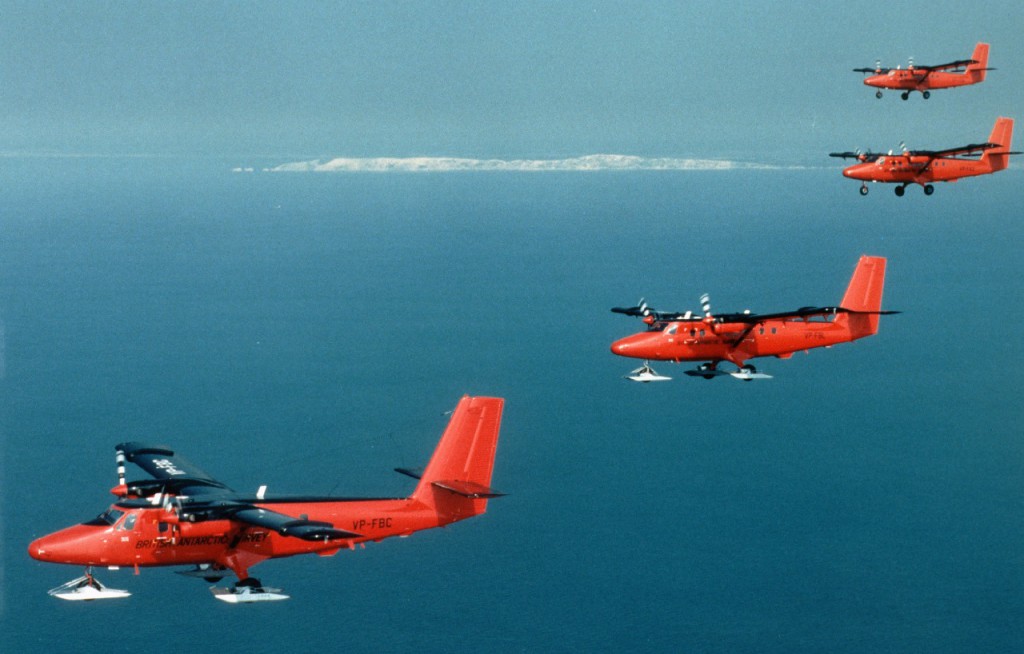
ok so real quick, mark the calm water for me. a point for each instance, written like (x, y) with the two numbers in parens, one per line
(309, 331)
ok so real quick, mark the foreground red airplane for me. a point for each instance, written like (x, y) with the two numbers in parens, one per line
(736, 337)
(926, 166)
(929, 78)
(185, 517)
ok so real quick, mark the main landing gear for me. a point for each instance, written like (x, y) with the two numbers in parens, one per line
(248, 590)
(710, 371)
(900, 190)
(906, 94)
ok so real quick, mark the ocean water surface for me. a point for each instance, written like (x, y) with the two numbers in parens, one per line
(308, 331)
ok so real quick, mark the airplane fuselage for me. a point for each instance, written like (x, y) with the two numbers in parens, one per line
(154, 537)
(916, 169)
(911, 79)
(699, 340)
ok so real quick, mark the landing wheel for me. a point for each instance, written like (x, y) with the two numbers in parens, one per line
(863, 189)
(905, 95)
(750, 369)
(248, 582)
(878, 94)
(706, 367)
(927, 94)
(900, 191)
(928, 189)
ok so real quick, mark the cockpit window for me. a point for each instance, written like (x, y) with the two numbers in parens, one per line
(128, 524)
(108, 517)
(671, 329)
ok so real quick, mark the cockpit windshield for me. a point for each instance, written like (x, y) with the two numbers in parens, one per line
(671, 329)
(108, 517)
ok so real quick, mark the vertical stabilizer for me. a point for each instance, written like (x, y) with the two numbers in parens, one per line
(1002, 135)
(977, 71)
(864, 294)
(456, 482)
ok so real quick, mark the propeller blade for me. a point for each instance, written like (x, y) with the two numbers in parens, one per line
(705, 305)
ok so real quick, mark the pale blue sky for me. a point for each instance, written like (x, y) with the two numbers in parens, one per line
(762, 81)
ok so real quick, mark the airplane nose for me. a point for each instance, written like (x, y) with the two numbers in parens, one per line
(72, 545)
(621, 348)
(40, 549)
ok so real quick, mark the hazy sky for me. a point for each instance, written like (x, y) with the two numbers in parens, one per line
(291, 80)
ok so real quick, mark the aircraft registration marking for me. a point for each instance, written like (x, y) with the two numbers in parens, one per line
(372, 523)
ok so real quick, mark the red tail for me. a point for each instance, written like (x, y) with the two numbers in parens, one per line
(1002, 134)
(864, 294)
(977, 71)
(456, 482)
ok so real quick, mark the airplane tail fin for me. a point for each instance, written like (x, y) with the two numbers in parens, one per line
(864, 294)
(1002, 134)
(456, 482)
(977, 71)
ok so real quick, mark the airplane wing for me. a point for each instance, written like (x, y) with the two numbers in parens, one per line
(803, 312)
(287, 525)
(860, 156)
(241, 511)
(972, 148)
(171, 472)
(961, 63)
(877, 70)
(649, 313)
(752, 320)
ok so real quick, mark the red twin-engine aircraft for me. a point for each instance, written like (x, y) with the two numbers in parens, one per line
(185, 517)
(736, 337)
(926, 166)
(929, 78)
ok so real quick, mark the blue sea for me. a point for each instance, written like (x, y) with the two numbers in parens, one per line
(309, 332)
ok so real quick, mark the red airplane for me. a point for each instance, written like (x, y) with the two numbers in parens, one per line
(928, 78)
(185, 517)
(926, 166)
(736, 337)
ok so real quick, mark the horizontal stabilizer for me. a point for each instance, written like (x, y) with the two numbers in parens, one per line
(468, 489)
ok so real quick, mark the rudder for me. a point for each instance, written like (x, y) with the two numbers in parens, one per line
(864, 294)
(977, 71)
(456, 482)
(1002, 135)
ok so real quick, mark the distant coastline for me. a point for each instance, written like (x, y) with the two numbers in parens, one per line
(593, 162)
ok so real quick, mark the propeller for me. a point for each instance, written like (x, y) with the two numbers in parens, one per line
(121, 490)
(705, 305)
